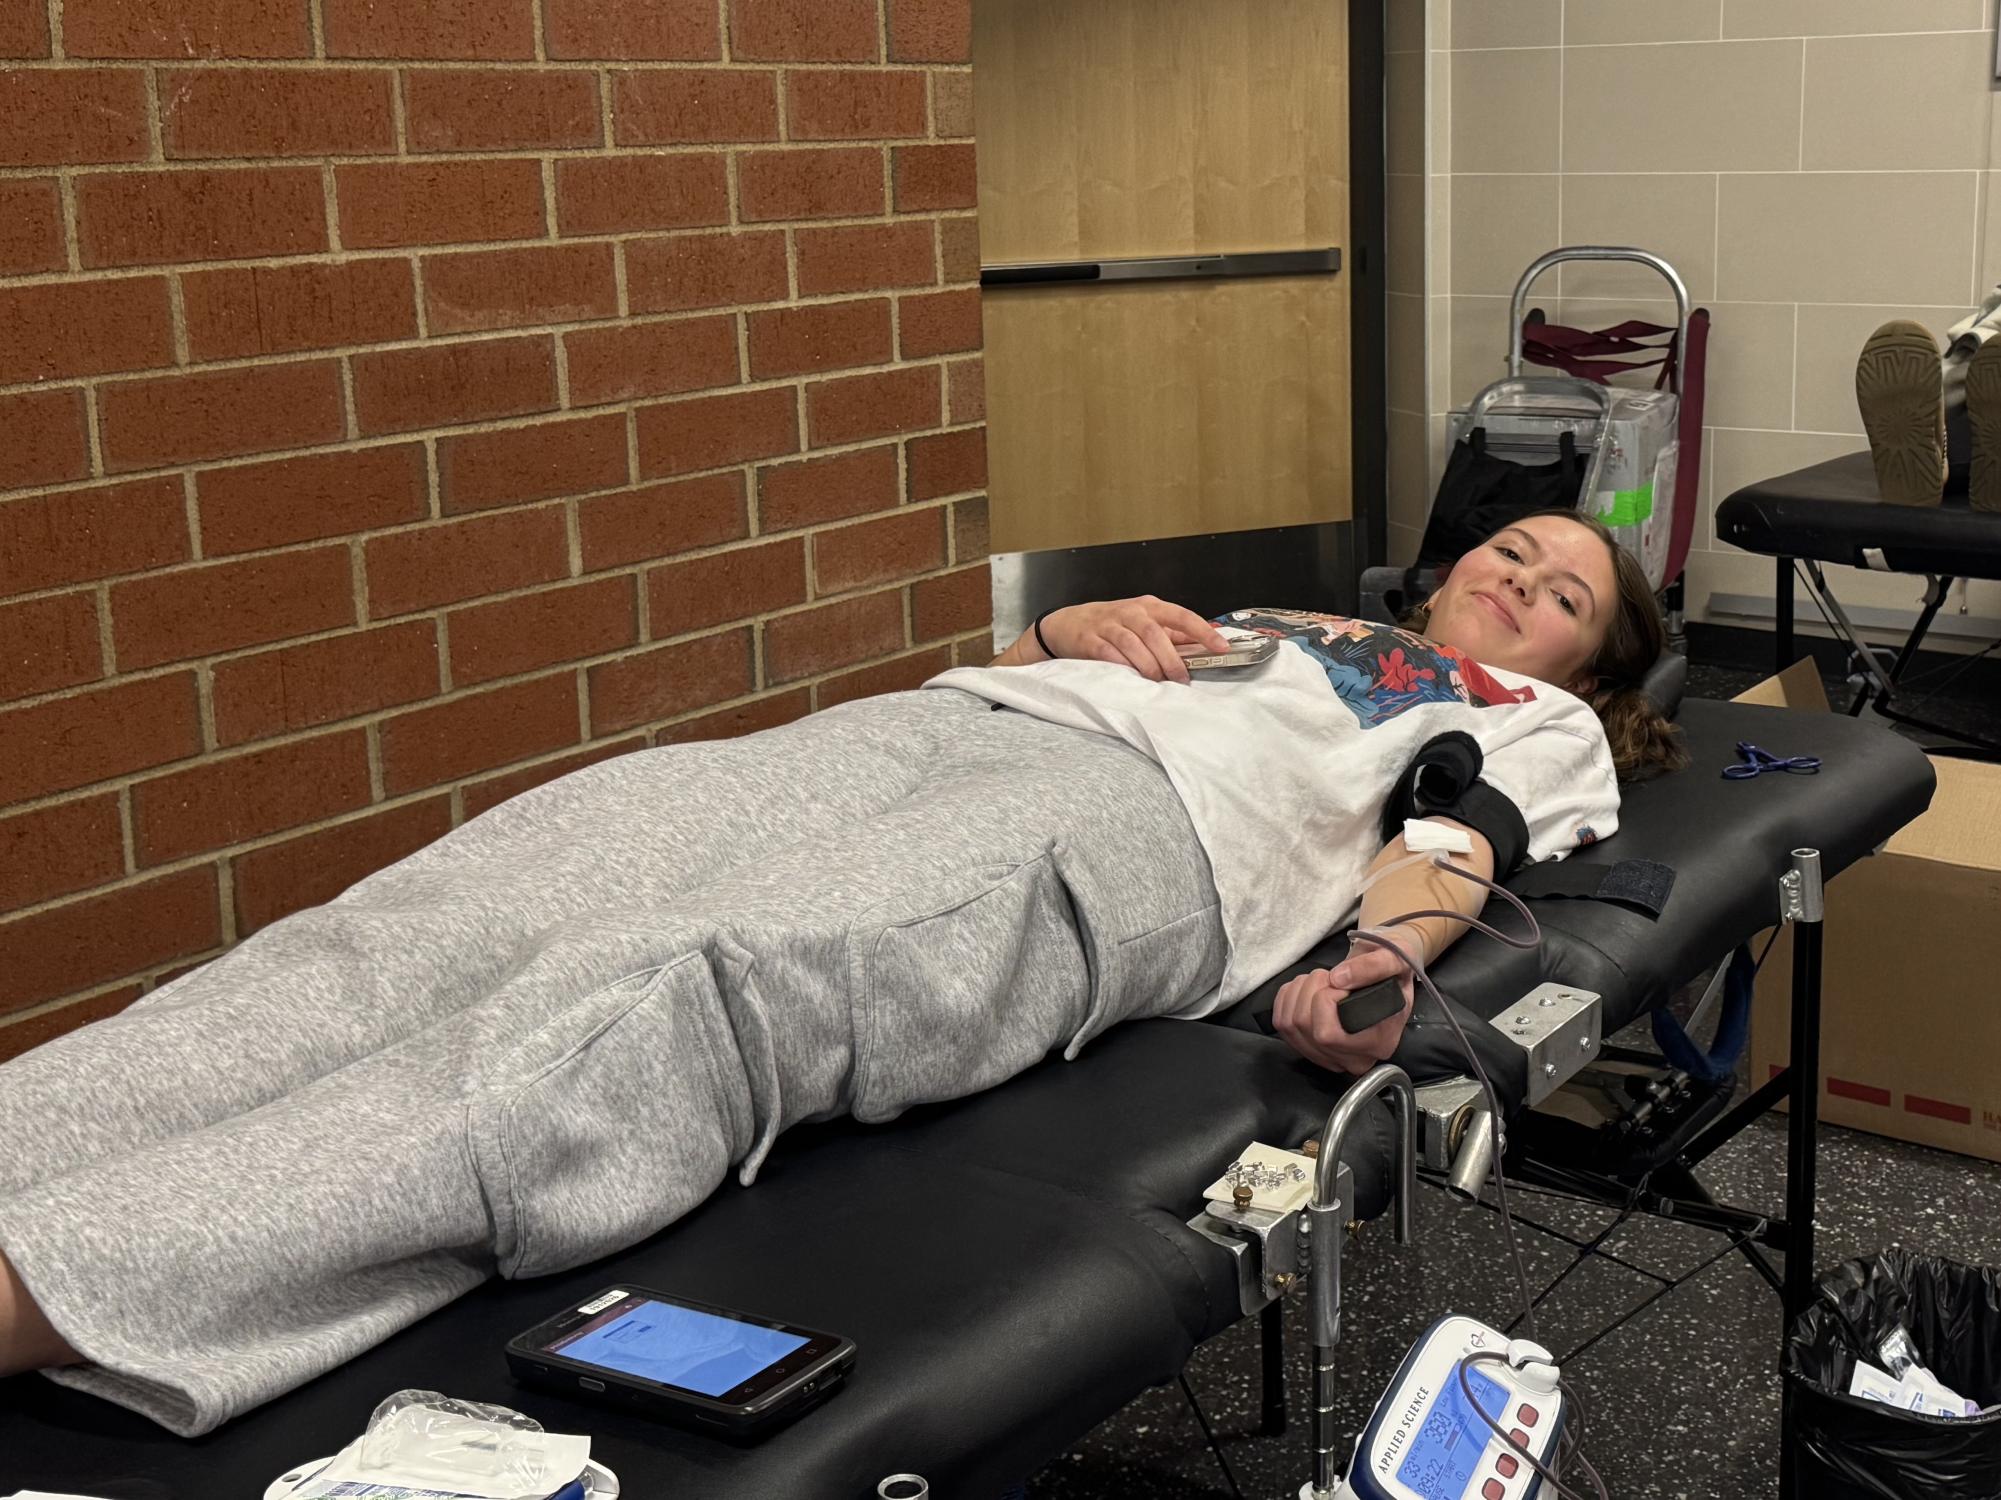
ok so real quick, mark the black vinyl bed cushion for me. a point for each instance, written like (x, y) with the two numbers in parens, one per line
(1833, 512)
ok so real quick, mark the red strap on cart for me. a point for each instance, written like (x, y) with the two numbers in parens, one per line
(1601, 355)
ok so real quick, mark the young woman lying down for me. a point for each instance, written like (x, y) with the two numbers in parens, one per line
(555, 1030)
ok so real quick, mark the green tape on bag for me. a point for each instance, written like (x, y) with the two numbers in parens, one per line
(1630, 507)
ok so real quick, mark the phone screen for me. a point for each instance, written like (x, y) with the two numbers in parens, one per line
(678, 1346)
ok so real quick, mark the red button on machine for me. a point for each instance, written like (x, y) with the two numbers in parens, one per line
(1509, 1465)
(1528, 1416)
(1521, 1438)
(1492, 1489)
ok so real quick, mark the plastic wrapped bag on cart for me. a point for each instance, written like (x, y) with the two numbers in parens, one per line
(1634, 493)
(1629, 437)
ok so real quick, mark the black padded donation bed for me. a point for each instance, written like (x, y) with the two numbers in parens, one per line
(1833, 512)
(1017, 1266)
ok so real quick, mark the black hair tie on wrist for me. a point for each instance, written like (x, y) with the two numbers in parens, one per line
(1037, 627)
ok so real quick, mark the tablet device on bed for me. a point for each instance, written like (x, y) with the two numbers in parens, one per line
(684, 1361)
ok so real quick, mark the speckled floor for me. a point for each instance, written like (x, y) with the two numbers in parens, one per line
(1683, 1402)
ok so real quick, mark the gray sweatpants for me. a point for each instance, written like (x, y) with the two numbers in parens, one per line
(555, 1030)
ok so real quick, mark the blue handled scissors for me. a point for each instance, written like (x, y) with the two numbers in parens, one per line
(1757, 762)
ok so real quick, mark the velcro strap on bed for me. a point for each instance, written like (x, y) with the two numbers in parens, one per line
(1443, 781)
(1642, 884)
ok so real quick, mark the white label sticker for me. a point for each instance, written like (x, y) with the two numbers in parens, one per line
(603, 1302)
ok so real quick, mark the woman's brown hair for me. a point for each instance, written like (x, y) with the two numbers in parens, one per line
(1643, 742)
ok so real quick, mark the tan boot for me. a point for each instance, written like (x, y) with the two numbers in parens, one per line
(1983, 419)
(1899, 387)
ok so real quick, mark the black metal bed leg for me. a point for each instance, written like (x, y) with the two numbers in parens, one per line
(1783, 599)
(1805, 908)
(1271, 1345)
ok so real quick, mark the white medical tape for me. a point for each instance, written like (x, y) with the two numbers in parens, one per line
(1422, 836)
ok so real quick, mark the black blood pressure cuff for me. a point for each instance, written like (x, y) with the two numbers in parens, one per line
(1443, 781)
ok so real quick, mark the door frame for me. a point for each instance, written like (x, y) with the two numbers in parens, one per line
(1368, 306)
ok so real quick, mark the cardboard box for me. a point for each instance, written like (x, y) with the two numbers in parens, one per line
(1911, 970)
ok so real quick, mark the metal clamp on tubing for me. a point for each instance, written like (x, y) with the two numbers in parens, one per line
(1327, 1215)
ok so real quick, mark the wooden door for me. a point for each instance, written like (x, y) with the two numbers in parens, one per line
(1112, 129)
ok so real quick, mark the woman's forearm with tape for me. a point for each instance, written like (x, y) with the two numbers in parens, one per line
(1405, 879)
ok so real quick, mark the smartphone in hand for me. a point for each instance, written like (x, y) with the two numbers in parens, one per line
(1247, 649)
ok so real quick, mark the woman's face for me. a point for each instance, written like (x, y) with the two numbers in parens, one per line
(1536, 599)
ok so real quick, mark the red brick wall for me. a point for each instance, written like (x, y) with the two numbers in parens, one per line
(404, 403)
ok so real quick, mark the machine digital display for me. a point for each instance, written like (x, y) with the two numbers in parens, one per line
(1448, 1447)
(680, 1346)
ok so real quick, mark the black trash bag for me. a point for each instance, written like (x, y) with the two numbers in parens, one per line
(1852, 1449)
(1481, 493)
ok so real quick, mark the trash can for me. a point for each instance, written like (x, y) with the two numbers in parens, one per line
(1852, 1448)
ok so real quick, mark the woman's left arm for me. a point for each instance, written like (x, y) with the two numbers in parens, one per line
(1305, 1014)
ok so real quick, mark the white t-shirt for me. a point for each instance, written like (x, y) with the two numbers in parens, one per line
(1286, 768)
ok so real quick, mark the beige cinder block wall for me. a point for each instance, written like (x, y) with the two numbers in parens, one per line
(1812, 167)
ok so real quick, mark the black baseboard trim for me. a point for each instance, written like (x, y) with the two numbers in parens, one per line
(1740, 648)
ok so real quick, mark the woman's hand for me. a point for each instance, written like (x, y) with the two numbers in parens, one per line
(1306, 1014)
(1139, 633)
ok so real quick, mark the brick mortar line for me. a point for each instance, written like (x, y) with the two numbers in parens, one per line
(331, 256)
(385, 803)
(318, 20)
(573, 537)
(399, 110)
(371, 739)
(434, 485)
(632, 445)
(92, 433)
(350, 415)
(177, 314)
(225, 890)
(365, 445)
(416, 260)
(357, 575)
(211, 742)
(195, 551)
(331, 205)
(155, 135)
(441, 635)
(388, 156)
(203, 666)
(125, 831)
(72, 241)
(56, 49)
(107, 650)
(562, 361)
(642, 600)
(66, 64)
(344, 352)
